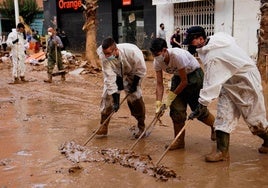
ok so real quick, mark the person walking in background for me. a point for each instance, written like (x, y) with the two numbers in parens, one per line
(186, 83)
(232, 77)
(162, 32)
(16, 41)
(175, 40)
(123, 68)
(4, 43)
(54, 46)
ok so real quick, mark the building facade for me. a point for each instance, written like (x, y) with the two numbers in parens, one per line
(239, 18)
(137, 21)
(126, 21)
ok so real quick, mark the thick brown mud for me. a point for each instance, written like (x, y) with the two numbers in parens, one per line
(36, 118)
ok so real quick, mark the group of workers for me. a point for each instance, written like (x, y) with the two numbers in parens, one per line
(229, 75)
(18, 44)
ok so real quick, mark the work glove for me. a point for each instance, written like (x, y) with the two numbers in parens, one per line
(116, 98)
(170, 98)
(119, 82)
(15, 41)
(200, 110)
(134, 85)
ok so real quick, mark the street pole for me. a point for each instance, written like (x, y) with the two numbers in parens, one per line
(16, 6)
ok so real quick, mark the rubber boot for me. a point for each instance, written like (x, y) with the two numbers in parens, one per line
(264, 146)
(222, 153)
(104, 128)
(63, 77)
(137, 109)
(179, 144)
(49, 80)
(22, 78)
(209, 121)
(16, 80)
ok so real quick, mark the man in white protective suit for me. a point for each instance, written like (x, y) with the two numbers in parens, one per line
(16, 41)
(123, 67)
(233, 78)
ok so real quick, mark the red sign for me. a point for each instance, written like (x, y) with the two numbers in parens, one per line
(126, 2)
(69, 4)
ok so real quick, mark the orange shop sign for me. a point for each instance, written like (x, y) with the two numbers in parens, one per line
(126, 2)
(69, 4)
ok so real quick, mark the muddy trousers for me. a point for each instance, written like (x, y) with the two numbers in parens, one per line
(137, 109)
(209, 121)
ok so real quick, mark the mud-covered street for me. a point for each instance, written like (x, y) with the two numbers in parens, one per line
(36, 118)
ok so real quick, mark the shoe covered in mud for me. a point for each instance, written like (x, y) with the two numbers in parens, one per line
(222, 152)
(16, 81)
(49, 78)
(217, 156)
(22, 78)
(103, 130)
(263, 149)
(63, 78)
(179, 144)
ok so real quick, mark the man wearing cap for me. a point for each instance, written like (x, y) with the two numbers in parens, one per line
(186, 83)
(16, 41)
(233, 78)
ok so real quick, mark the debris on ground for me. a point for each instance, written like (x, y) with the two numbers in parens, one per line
(126, 158)
(71, 62)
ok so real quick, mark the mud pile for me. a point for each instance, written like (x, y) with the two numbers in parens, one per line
(142, 163)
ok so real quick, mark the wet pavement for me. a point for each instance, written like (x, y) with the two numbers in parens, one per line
(36, 118)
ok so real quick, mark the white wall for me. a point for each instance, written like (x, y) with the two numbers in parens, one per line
(165, 15)
(224, 16)
(246, 23)
(239, 18)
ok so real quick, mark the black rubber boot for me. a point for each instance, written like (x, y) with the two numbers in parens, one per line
(264, 146)
(222, 153)
(49, 78)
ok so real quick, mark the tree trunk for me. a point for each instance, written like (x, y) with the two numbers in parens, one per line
(262, 61)
(263, 39)
(90, 27)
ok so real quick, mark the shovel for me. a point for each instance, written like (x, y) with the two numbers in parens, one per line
(175, 139)
(156, 118)
(105, 121)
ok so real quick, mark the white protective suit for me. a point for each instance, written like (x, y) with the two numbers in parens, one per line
(17, 52)
(129, 63)
(233, 77)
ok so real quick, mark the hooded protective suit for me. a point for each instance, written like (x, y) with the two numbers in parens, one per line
(233, 77)
(17, 52)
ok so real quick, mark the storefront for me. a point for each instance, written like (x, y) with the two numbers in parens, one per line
(130, 21)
